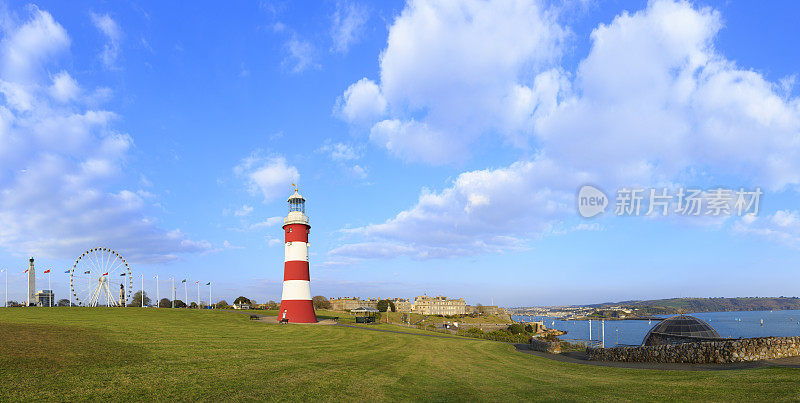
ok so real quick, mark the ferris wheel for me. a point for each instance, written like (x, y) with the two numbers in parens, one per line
(100, 276)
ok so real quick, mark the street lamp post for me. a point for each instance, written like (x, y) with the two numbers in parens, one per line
(173, 291)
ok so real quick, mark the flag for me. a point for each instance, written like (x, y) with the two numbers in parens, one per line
(47, 271)
(208, 283)
(87, 272)
(67, 271)
(105, 274)
(122, 275)
(197, 282)
(184, 280)
(25, 271)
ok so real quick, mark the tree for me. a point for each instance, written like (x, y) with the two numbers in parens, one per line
(179, 304)
(63, 302)
(515, 328)
(241, 300)
(383, 305)
(391, 305)
(165, 303)
(193, 305)
(222, 305)
(321, 302)
(137, 299)
(274, 305)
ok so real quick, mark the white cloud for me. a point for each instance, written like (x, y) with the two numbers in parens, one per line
(344, 155)
(359, 171)
(654, 99)
(300, 55)
(269, 222)
(27, 47)
(416, 141)
(483, 211)
(653, 103)
(348, 22)
(783, 226)
(340, 152)
(453, 71)
(113, 35)
(60, 162)
(229, 246)
(244, 211)
(362, 103)
(270, 176)
(64, 87)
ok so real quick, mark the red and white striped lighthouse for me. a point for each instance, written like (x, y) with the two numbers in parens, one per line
(296, 303)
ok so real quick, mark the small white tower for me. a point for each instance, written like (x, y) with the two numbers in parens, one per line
(31, 284)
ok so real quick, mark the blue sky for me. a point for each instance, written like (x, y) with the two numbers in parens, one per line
(440, 145)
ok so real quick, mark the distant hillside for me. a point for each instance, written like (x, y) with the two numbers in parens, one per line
(674, 305)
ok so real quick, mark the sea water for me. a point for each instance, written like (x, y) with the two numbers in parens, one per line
(631, 332)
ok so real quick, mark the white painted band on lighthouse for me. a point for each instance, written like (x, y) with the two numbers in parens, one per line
(296, 289)
(296, 251)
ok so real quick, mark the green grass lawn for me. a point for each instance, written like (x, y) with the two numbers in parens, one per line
(133, 353)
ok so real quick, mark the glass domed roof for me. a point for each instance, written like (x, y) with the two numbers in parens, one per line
(683, 326)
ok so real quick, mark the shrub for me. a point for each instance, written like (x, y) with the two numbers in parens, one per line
(551, 337)
(319, 302)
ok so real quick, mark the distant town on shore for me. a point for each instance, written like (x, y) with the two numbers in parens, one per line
(647, 308)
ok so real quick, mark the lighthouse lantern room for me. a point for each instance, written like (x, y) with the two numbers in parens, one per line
(296, 306)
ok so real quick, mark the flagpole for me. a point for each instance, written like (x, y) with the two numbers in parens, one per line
(158, 298)
(186, 291)
(142, 290)
(5, 303)
(198, 294)
(50, 286)
(173, 291)
(209, 292)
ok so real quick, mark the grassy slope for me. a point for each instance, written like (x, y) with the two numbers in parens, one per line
(721, 304)
(74, 353)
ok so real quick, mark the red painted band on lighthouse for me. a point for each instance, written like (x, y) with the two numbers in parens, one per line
(299, 310)
(296, 232)
(296, 270)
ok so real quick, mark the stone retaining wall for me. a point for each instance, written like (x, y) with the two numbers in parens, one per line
(705, 352)
(546, 346)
